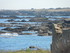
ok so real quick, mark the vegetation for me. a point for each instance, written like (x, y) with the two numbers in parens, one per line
(31, 51)
(27, 51)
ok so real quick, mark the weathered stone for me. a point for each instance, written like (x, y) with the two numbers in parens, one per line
(60, 40)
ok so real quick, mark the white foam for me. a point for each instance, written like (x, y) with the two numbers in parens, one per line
(9, 34)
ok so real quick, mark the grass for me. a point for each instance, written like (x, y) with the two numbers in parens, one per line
(33, 51)
(27, 51)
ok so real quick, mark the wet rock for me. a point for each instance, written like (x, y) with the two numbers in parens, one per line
(23, 21)
(43, 34)
(27, 33)
(34, 48)
(8, 28)
(10, 20)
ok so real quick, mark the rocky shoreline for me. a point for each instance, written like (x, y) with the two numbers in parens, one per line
(41, 25)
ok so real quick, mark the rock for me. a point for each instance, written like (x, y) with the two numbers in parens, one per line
(10, 20)
(27, 33)
(23, 21)
(34, 48)
(43, 34)
(58, 28)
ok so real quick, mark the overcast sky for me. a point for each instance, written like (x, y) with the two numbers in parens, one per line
(27, 4)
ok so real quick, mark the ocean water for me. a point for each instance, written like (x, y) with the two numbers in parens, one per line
(5, 20)
(24, 41)
(19, 16)
(58, 16)
(23, 16)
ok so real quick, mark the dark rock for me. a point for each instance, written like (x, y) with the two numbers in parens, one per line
(34, 48)
(23, 21)
(10, 20)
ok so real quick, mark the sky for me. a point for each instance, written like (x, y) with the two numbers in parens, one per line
(37, 4)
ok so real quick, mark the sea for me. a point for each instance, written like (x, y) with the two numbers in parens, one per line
(23, 42)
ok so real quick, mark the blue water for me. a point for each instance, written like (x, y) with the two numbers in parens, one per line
(23, 42)
(22, 19)
(35, 16)
(33, 32)
(46, 16)
(20, 16)
(5, 20)
(23, 16)
(58, 16)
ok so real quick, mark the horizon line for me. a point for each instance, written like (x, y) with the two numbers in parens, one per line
(36, 8)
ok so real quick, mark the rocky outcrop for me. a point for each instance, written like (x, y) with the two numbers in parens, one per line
(61, 39)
